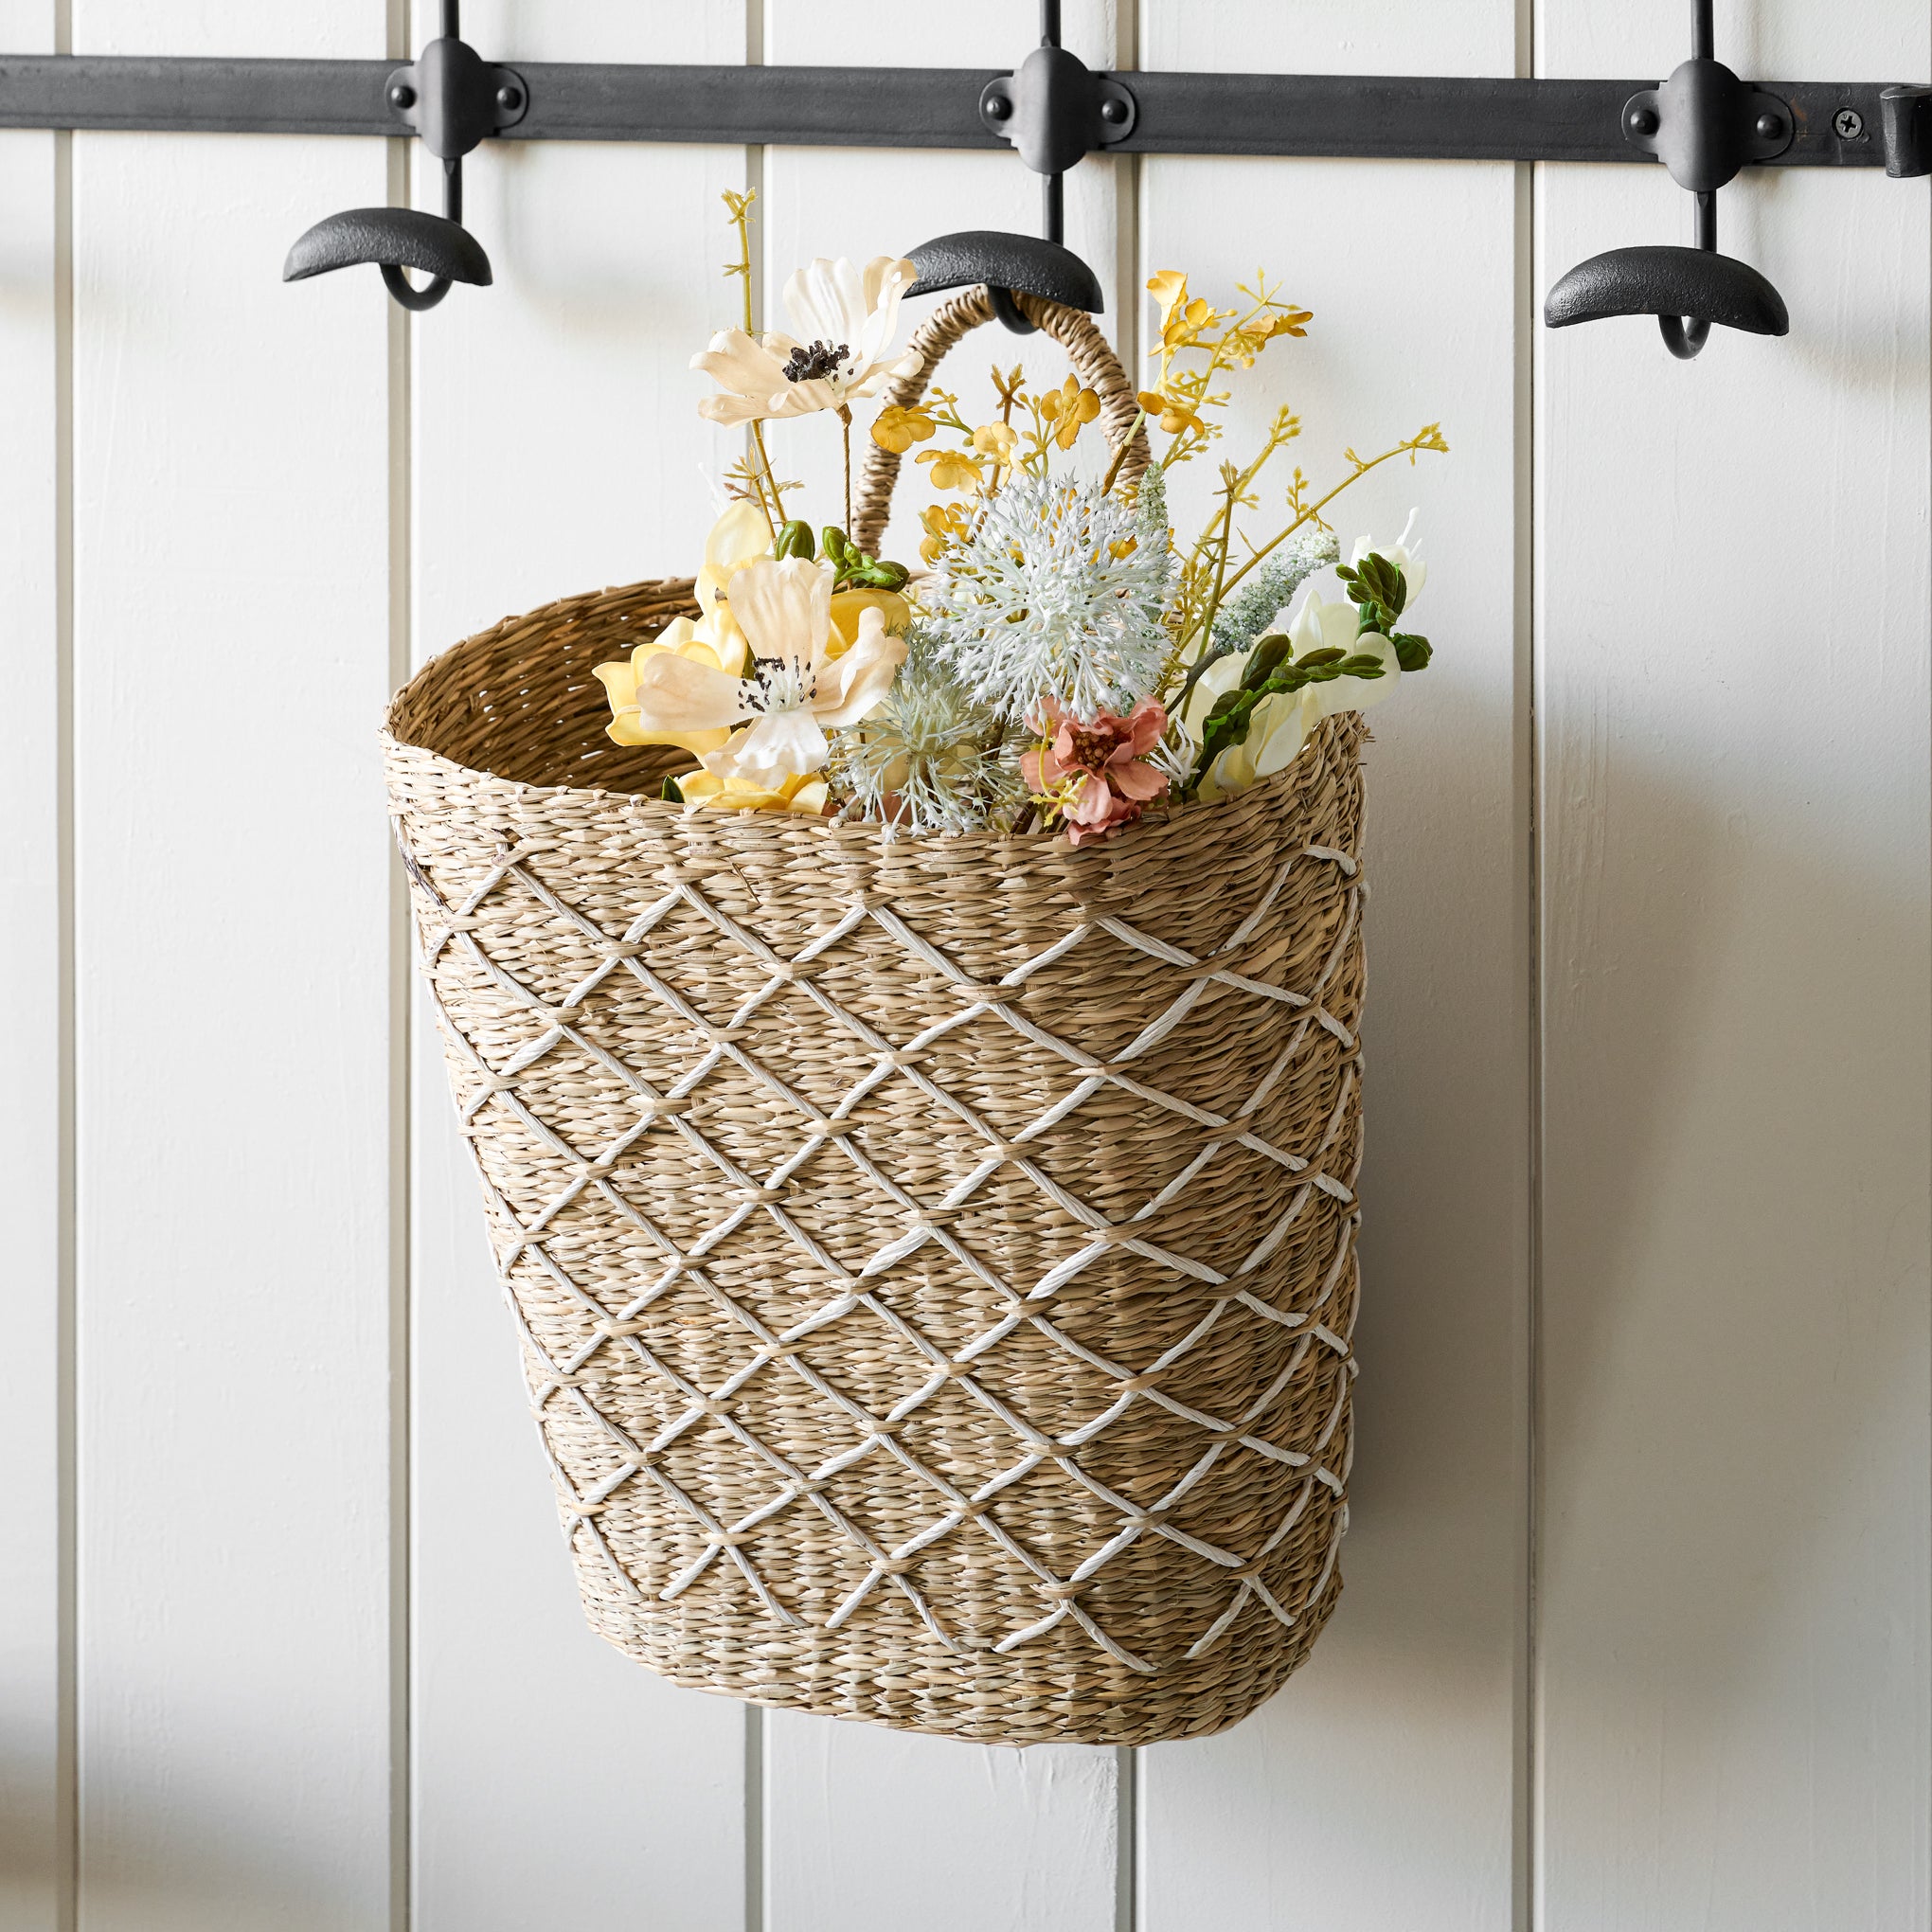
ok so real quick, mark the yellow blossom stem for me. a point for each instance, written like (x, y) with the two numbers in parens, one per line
(1314, 511)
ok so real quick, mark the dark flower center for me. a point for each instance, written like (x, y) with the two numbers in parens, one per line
(1092, 749)
(813, 363)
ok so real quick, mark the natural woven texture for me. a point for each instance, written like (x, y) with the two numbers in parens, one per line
(934, 1258)
(1094, 363)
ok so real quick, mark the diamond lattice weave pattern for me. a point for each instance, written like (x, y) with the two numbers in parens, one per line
(933, 1261)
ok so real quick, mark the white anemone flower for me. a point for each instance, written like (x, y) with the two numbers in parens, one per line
(797, 691)
(1277, 728)
(1319, 626)
(846, 317)
(1280, 724)
(1402, 553)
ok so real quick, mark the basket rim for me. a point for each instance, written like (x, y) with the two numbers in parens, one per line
(777, 827)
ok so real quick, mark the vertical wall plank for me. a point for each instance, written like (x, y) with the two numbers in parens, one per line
(33, 1101)
(1377, 1788)
(858, 1820)
(231, 934)
(557, 448)
(1733, 630)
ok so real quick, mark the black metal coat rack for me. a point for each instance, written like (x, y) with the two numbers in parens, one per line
(1704, 124)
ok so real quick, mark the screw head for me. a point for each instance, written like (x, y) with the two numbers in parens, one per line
(509, 98)
(1770, 126)
(402, 95)
(1643, 121)
(999, 107)
(1847, 124)
(1114, 111)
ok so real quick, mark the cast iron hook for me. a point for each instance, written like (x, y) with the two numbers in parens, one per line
(453, 98)
(1704, 124)
(1055, 111)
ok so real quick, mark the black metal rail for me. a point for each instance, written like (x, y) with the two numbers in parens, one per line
(1348, 117)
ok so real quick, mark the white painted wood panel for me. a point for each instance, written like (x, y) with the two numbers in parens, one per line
(557, 447)
(33, 1111)
(1377, 1789)
(861, 1821)
(233, 1058)
(1733, 640)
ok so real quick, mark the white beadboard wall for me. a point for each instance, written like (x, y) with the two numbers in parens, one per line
(1638, 1634)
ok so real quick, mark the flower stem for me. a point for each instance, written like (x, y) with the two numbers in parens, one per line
(845, 422)
(1312, 512)
(775, 511)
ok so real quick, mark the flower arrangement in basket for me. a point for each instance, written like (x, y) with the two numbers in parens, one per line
(906, 1023)
(1064, 663)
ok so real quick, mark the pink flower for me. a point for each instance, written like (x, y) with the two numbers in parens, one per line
(1096, 774)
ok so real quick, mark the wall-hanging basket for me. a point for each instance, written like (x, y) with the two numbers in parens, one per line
(934, 1259)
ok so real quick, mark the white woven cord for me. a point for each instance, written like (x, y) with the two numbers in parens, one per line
(558, 1382)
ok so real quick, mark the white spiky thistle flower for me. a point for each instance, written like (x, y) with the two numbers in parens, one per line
(1057, 593)
(927, 761)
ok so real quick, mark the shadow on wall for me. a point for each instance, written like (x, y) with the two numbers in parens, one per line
(189, 1851)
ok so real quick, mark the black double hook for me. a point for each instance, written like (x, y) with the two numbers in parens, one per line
(1704, 124)
(1054, 110)
(454, 99)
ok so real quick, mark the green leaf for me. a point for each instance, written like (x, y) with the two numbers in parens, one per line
(1328, 654)
(794, 540)
(1411, 653)
(1375, 579)
(670, 793)
(1268, 653)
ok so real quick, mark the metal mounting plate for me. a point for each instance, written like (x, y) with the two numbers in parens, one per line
(1704, 124)
(455, 98)
(1055, 110)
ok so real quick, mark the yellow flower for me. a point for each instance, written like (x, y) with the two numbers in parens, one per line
(1171, 413)
(1181, 319)
(1069, 406)
(945, 525)
(954, 469)
(898, 429)
(811, 679)
(848, 606)
(996, 439)
(741, 536)
(798, 792)
(1122, 547)
(1169, 287)
(679, 639)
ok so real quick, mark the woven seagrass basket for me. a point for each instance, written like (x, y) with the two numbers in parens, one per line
(933, 1260)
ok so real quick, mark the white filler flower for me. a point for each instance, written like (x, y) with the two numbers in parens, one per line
(1055, 593)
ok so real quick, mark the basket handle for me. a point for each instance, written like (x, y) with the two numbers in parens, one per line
(1094, 362)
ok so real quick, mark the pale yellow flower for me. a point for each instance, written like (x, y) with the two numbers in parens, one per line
(945, 525)
(1067, 409)
(1172, 414)
(954, 469)
(798, 794)
(804, 681)
(898, 429)
(1181, 318)
(850, 606)
(679, 639)
(996, 439)
(741, 536)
